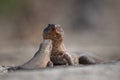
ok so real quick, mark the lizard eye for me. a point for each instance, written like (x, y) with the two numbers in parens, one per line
(48, 29)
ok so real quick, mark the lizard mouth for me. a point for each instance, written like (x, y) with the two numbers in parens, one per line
(58, 28)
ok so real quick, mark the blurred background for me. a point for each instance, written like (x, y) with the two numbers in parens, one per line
(90, 26)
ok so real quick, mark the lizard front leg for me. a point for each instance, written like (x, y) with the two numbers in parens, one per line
(69, 59)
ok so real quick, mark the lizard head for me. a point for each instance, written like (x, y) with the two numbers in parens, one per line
(53, 32)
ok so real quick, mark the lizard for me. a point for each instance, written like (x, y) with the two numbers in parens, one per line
(41, 59)
(59, 54)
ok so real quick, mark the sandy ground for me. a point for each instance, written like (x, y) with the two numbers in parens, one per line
(109, 71)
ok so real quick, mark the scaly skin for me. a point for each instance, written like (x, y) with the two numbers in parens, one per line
(60, 55)
(41, 59)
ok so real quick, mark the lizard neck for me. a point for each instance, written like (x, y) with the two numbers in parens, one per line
(57, 46)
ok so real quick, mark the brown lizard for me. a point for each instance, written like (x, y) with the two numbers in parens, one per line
(59, 54)
(41, 59)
